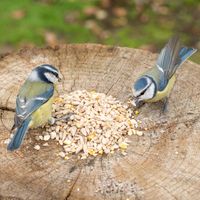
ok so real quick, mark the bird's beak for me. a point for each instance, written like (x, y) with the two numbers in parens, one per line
(137, 102)
(60, 77)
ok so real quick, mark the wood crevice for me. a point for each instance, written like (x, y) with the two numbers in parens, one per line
(73, 186)
(168, 150)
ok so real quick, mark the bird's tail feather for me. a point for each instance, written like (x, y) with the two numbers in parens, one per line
(185, 53)
(19, 136)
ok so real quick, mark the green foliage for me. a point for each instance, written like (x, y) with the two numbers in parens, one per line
(38, 18)
(147, 23)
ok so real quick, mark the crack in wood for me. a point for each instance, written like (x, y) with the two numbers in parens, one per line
(152, 164)
(167, 191)
(73, 185)
(173, 123)
(2, 108)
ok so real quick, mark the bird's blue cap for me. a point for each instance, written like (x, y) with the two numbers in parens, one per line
(140, 84)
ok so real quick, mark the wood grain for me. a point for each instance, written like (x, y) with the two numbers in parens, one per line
(162, 164)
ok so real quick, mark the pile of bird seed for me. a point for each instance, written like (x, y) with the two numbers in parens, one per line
(98, 124)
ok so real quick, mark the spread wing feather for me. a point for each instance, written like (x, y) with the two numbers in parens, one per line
(169, 59)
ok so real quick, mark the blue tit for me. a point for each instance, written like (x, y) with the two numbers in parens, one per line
(34, 102)
(156, 83)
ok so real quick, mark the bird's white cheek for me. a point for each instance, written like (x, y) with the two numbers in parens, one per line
(51, 77)
(149, 93)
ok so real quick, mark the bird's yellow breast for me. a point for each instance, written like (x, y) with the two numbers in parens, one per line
(162, 94)
(41, 116)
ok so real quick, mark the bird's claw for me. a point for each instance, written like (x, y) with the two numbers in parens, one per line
(65, 117)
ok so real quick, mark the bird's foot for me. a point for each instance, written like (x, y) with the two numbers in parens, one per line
(65, 118)
(165, 105)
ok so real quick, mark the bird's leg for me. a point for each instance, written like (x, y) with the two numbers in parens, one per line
(165, 105)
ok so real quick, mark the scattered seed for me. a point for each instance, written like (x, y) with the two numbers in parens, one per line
(91, 136)
(99, 124)
(61, 154)
(83, 131)
(66, 157)
(45, 144)
(139, 133)
(104, 141)
(37, 147)
(123, 145)
(67, 142)
(7, 141)
(40, 137)
(46, 137)
(130, 132)
(53, 135)
(137, 112)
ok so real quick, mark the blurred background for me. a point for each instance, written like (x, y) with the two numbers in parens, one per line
(145, 24)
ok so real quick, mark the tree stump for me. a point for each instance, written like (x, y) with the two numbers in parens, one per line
(162, 164)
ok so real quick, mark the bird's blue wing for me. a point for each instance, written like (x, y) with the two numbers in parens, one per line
(26, 106)
(169, 59)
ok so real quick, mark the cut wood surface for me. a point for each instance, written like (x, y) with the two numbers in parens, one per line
(162, 164)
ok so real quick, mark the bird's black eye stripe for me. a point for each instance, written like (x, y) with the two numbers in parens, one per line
(142, 92)
(55, 74)
(153, 82)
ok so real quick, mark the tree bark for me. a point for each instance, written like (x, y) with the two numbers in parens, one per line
(162, 164)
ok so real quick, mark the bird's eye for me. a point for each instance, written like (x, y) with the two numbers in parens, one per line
(55, 74)
(142, 92)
